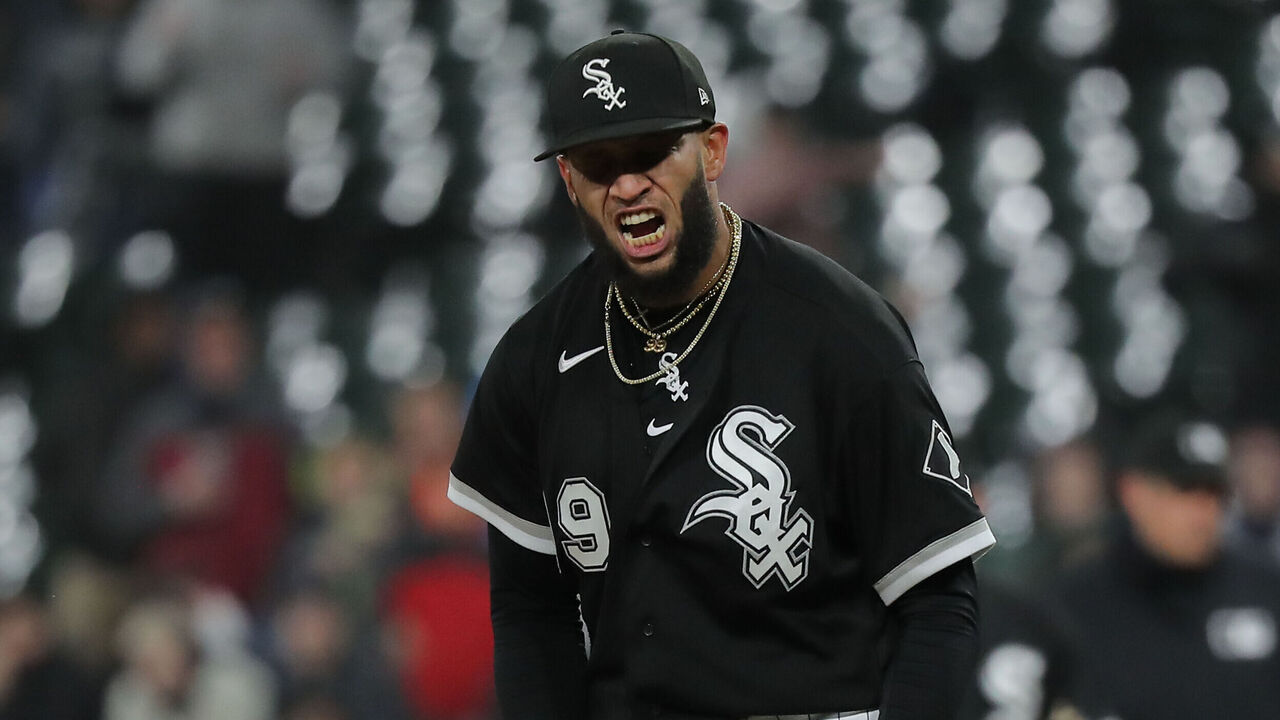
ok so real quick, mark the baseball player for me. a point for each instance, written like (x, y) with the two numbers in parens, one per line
(718, 483)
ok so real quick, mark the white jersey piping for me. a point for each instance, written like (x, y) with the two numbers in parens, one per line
(533, 536)
(970, 541)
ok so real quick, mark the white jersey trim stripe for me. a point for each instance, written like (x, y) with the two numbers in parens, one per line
(970, 541)
(855, 715)
(533, 536)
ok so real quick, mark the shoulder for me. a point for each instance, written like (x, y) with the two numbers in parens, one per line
(853, 317)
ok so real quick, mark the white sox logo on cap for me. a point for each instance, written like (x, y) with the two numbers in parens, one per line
(604, 88)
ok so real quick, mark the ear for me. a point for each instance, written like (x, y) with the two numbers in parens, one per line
(566, 174)
(715, 143)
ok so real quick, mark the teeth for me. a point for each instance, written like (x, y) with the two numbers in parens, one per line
(643, 240)
(637, 218)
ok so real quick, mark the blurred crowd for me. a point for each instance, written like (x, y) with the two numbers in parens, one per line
(209, 565)
(121, 115)
(217, 540)
(200, 559)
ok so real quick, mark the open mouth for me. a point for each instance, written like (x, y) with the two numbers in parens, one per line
(642, 228)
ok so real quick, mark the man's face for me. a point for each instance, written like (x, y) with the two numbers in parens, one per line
(645, 203)
(1180, 527)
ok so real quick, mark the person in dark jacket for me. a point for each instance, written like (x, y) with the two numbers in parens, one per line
(1030, 664)
(1176, 623)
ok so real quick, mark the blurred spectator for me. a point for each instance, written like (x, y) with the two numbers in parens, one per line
(427, 424)
(346, 518)
(438, 610)
(1254, 469)
(126, 356)
(167, 676)
(328, 666)
(1030, 665)
(224, 76)
(1178, 625)
(436, 598)
(80, 145)
(1070, 510)
(791, 179)
(196, 487)
(380, 523)
(87, 598)
(1071, 503)
(36, 679)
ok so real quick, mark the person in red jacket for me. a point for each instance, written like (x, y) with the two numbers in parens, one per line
(197, 488)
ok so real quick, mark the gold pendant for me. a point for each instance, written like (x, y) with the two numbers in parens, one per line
(655, 345)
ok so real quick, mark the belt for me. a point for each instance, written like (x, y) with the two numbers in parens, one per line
(856, 715)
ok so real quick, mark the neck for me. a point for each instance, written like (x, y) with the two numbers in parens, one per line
(706, 276)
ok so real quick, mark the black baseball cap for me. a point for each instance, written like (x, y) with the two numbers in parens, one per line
(1188, 453)
(626, 84)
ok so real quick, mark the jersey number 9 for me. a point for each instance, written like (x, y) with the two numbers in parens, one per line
(583, 517)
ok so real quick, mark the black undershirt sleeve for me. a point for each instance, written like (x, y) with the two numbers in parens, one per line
(539, 656)
(938, 646)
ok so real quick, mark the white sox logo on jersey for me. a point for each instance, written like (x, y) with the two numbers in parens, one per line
(775, 540)
(604, 88)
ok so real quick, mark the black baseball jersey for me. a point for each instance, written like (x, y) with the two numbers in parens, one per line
(737, 530)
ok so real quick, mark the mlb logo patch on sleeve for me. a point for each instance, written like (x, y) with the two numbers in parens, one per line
(942, 461)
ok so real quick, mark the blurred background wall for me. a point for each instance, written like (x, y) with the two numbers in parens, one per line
(254, 252)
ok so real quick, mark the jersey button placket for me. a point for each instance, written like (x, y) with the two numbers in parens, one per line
(647, 630)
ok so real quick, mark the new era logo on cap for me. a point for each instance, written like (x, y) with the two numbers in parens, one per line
(635, 83)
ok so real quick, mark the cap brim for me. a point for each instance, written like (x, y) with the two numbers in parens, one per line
(619, 130)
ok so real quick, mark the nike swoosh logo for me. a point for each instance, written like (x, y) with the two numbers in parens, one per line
(656, 430)
(568, 362)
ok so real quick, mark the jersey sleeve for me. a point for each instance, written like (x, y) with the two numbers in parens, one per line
(912, 509)
(493, 473)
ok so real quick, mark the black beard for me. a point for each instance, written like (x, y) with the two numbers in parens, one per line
(692, 251)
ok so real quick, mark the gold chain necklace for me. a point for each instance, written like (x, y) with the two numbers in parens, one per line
(682, 317)
(657, 341)
(735, 223)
